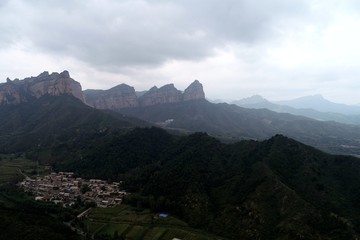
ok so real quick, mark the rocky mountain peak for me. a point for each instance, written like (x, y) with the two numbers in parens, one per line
(55, 84)
(120, 96)
(43, 75)
(166, 94)
(65, 74)
(153, 89)
(124, 96)
(194, 91)
(122, 88)
(255, 99)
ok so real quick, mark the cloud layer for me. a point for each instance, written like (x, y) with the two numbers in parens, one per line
(235, 47)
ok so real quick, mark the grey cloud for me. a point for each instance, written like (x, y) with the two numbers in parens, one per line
(9, 24)
(115, 34)
(244, 20)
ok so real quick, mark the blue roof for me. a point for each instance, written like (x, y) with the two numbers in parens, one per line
(163, 215)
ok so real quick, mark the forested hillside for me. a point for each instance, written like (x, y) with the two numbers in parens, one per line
(231, 122)
(22, 218)
(50, 121)
(277, 188)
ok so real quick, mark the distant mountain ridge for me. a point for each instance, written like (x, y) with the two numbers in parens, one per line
(124, 96)
(55, 84)
(307, 110)
(319, 103)
(231, 122)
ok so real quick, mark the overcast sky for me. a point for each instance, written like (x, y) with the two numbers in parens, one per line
(280, 49)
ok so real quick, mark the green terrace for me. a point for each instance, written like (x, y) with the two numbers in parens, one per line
(131, 223)
(14, 168)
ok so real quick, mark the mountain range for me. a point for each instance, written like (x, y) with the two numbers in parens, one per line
(319, 103)
(166, 106)
(265, 187)
(124, 96)
(315, 107)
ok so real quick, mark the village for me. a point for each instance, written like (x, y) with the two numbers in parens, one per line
(65, 189)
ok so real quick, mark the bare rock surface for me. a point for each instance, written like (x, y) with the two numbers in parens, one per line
(124, 96)
(55, 84)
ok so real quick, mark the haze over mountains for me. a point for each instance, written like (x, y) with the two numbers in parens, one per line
(319, 103)
(316, 107)
(168, 107)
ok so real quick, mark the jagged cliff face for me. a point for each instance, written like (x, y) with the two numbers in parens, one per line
(121, 96)
(10, 93)
(194, 91)
(124, 96)
(165, 94)
(55, 84)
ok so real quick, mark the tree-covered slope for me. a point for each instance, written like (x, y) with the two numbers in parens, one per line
(275, 189)
(23, 218)
(51, 120)
(231, 121)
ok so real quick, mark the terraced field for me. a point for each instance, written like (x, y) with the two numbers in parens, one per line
(130, 223)
(10, 167)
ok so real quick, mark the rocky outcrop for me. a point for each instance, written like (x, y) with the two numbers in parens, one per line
(121, 96)
(11, 93)
(55, 84)
(194, 91)
(124, 96)
(165, 94)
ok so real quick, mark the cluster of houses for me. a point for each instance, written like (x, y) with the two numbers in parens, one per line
(65, 189)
